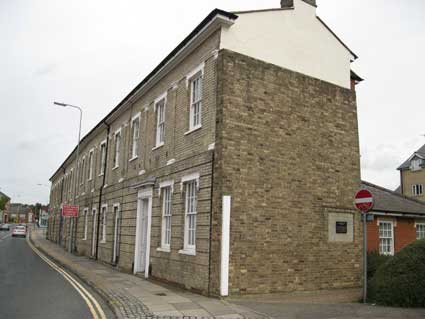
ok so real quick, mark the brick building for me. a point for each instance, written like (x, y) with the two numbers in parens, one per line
(412, 175)
(397, 220)
(227, 168)
(20, 213)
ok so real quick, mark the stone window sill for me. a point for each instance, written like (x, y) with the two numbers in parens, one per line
(193, 129)
(158, 146)
(164, 249)
(189, 252)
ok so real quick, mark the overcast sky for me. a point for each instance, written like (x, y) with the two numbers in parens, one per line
(93, 52)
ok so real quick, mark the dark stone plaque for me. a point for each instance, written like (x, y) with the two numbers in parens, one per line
(341, 227)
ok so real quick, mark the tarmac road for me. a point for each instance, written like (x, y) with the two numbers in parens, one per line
(33, 287)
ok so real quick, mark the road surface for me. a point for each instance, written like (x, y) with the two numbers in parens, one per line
(36, 288)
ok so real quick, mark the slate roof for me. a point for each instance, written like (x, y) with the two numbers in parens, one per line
(389, 201)
(406, 164)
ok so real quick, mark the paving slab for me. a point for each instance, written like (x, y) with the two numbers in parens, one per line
(132, 296)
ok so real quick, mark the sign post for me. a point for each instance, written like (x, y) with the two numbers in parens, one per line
(364, 203)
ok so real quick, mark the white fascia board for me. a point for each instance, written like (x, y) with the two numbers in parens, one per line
(218, 22)
(415, 155)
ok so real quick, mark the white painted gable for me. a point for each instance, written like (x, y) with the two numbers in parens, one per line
(293, 39)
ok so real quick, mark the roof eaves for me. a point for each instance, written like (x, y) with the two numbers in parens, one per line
(340, 41)
(199, 28)
(394, 193)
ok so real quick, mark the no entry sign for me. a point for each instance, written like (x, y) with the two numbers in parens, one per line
(70, 211)
(363, 200)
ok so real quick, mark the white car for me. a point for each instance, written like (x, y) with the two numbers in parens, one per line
(4, 227)
(19, 231)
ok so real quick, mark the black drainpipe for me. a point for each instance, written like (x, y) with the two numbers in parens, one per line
(108, 128)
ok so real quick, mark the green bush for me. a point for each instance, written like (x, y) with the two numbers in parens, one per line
(400, 281)
(374, 261)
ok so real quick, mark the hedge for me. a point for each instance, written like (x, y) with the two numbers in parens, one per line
(400, 281)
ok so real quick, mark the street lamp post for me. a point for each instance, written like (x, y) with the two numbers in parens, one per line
(76, 166)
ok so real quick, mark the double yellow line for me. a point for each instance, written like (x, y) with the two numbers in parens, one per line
(91, 302)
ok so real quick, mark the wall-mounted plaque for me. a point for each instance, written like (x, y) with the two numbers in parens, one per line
(341, 227)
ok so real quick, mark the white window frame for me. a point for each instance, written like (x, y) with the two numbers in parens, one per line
(195, 119)
(391, 245)
(102, 157)
(86, 217)
(166, 224)
(415, 164)
(417, 190)
(135, 137)
(91, 160)
(103, 221)
(71, 181)
(117, 149)
(197, 73)
(81, 170)
(160, 122)
(420, 228)
(190, 211)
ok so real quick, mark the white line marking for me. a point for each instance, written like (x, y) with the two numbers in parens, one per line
(364, 200)
(88, 298)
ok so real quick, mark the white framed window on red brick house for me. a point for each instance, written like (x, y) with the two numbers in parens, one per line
(386, 238)
(420, 230)
(417, 190)
(117, 149)
(86, 212)
(135, 134)
(103, 222)
(190, 185)
(160, 104)
(102, 158)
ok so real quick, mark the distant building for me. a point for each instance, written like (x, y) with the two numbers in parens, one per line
(43, 217)
(397, 220)
(20, 213)
(4, 207)
(412, 175)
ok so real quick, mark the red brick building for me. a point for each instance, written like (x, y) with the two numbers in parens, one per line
(397, 220)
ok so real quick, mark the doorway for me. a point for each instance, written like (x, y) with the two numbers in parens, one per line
(143, 225)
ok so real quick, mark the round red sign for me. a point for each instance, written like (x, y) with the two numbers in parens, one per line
(363, 200)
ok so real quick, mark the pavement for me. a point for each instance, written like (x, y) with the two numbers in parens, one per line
(30, 288)
(133, 297)
(130, 296)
